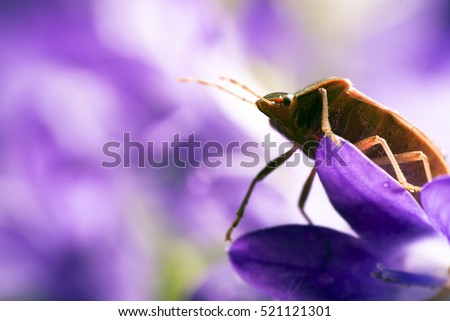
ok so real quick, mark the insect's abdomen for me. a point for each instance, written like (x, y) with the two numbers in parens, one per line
(355, 117)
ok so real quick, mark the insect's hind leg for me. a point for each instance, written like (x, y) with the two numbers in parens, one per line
(269, 168)
(304, 195)
(369, 142)
(408, 157)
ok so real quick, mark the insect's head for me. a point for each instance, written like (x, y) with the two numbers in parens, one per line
(275, 101)
(278, 107)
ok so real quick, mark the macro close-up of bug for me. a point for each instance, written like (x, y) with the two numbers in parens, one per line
(333, 106)
(305, 160)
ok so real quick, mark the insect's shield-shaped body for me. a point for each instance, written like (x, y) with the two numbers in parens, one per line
(355, 117)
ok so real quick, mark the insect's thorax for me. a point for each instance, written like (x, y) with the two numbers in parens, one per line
(305, 123)
(304, 127)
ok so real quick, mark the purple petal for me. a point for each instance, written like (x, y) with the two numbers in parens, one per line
(375, 205)
(296, 262)
(408, 279)
(435, 197)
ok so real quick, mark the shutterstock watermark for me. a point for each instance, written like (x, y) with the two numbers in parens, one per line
(190, 152)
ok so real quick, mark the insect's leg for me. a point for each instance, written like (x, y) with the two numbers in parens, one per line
(270, 166)
(367, 143)
(326, 127)
(408, 157)
(304, 194)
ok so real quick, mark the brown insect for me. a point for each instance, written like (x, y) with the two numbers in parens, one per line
(332, 106)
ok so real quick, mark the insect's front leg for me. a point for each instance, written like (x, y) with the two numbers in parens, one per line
(269, 168)
(326, 127)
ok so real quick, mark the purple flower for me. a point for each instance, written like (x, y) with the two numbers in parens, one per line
(398, 252)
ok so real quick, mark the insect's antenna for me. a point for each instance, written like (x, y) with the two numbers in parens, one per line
(237, 83)
(207, 83)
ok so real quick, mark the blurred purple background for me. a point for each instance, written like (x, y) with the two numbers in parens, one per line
(77, 74)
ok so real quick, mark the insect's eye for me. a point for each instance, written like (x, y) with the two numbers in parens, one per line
(287, 101)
